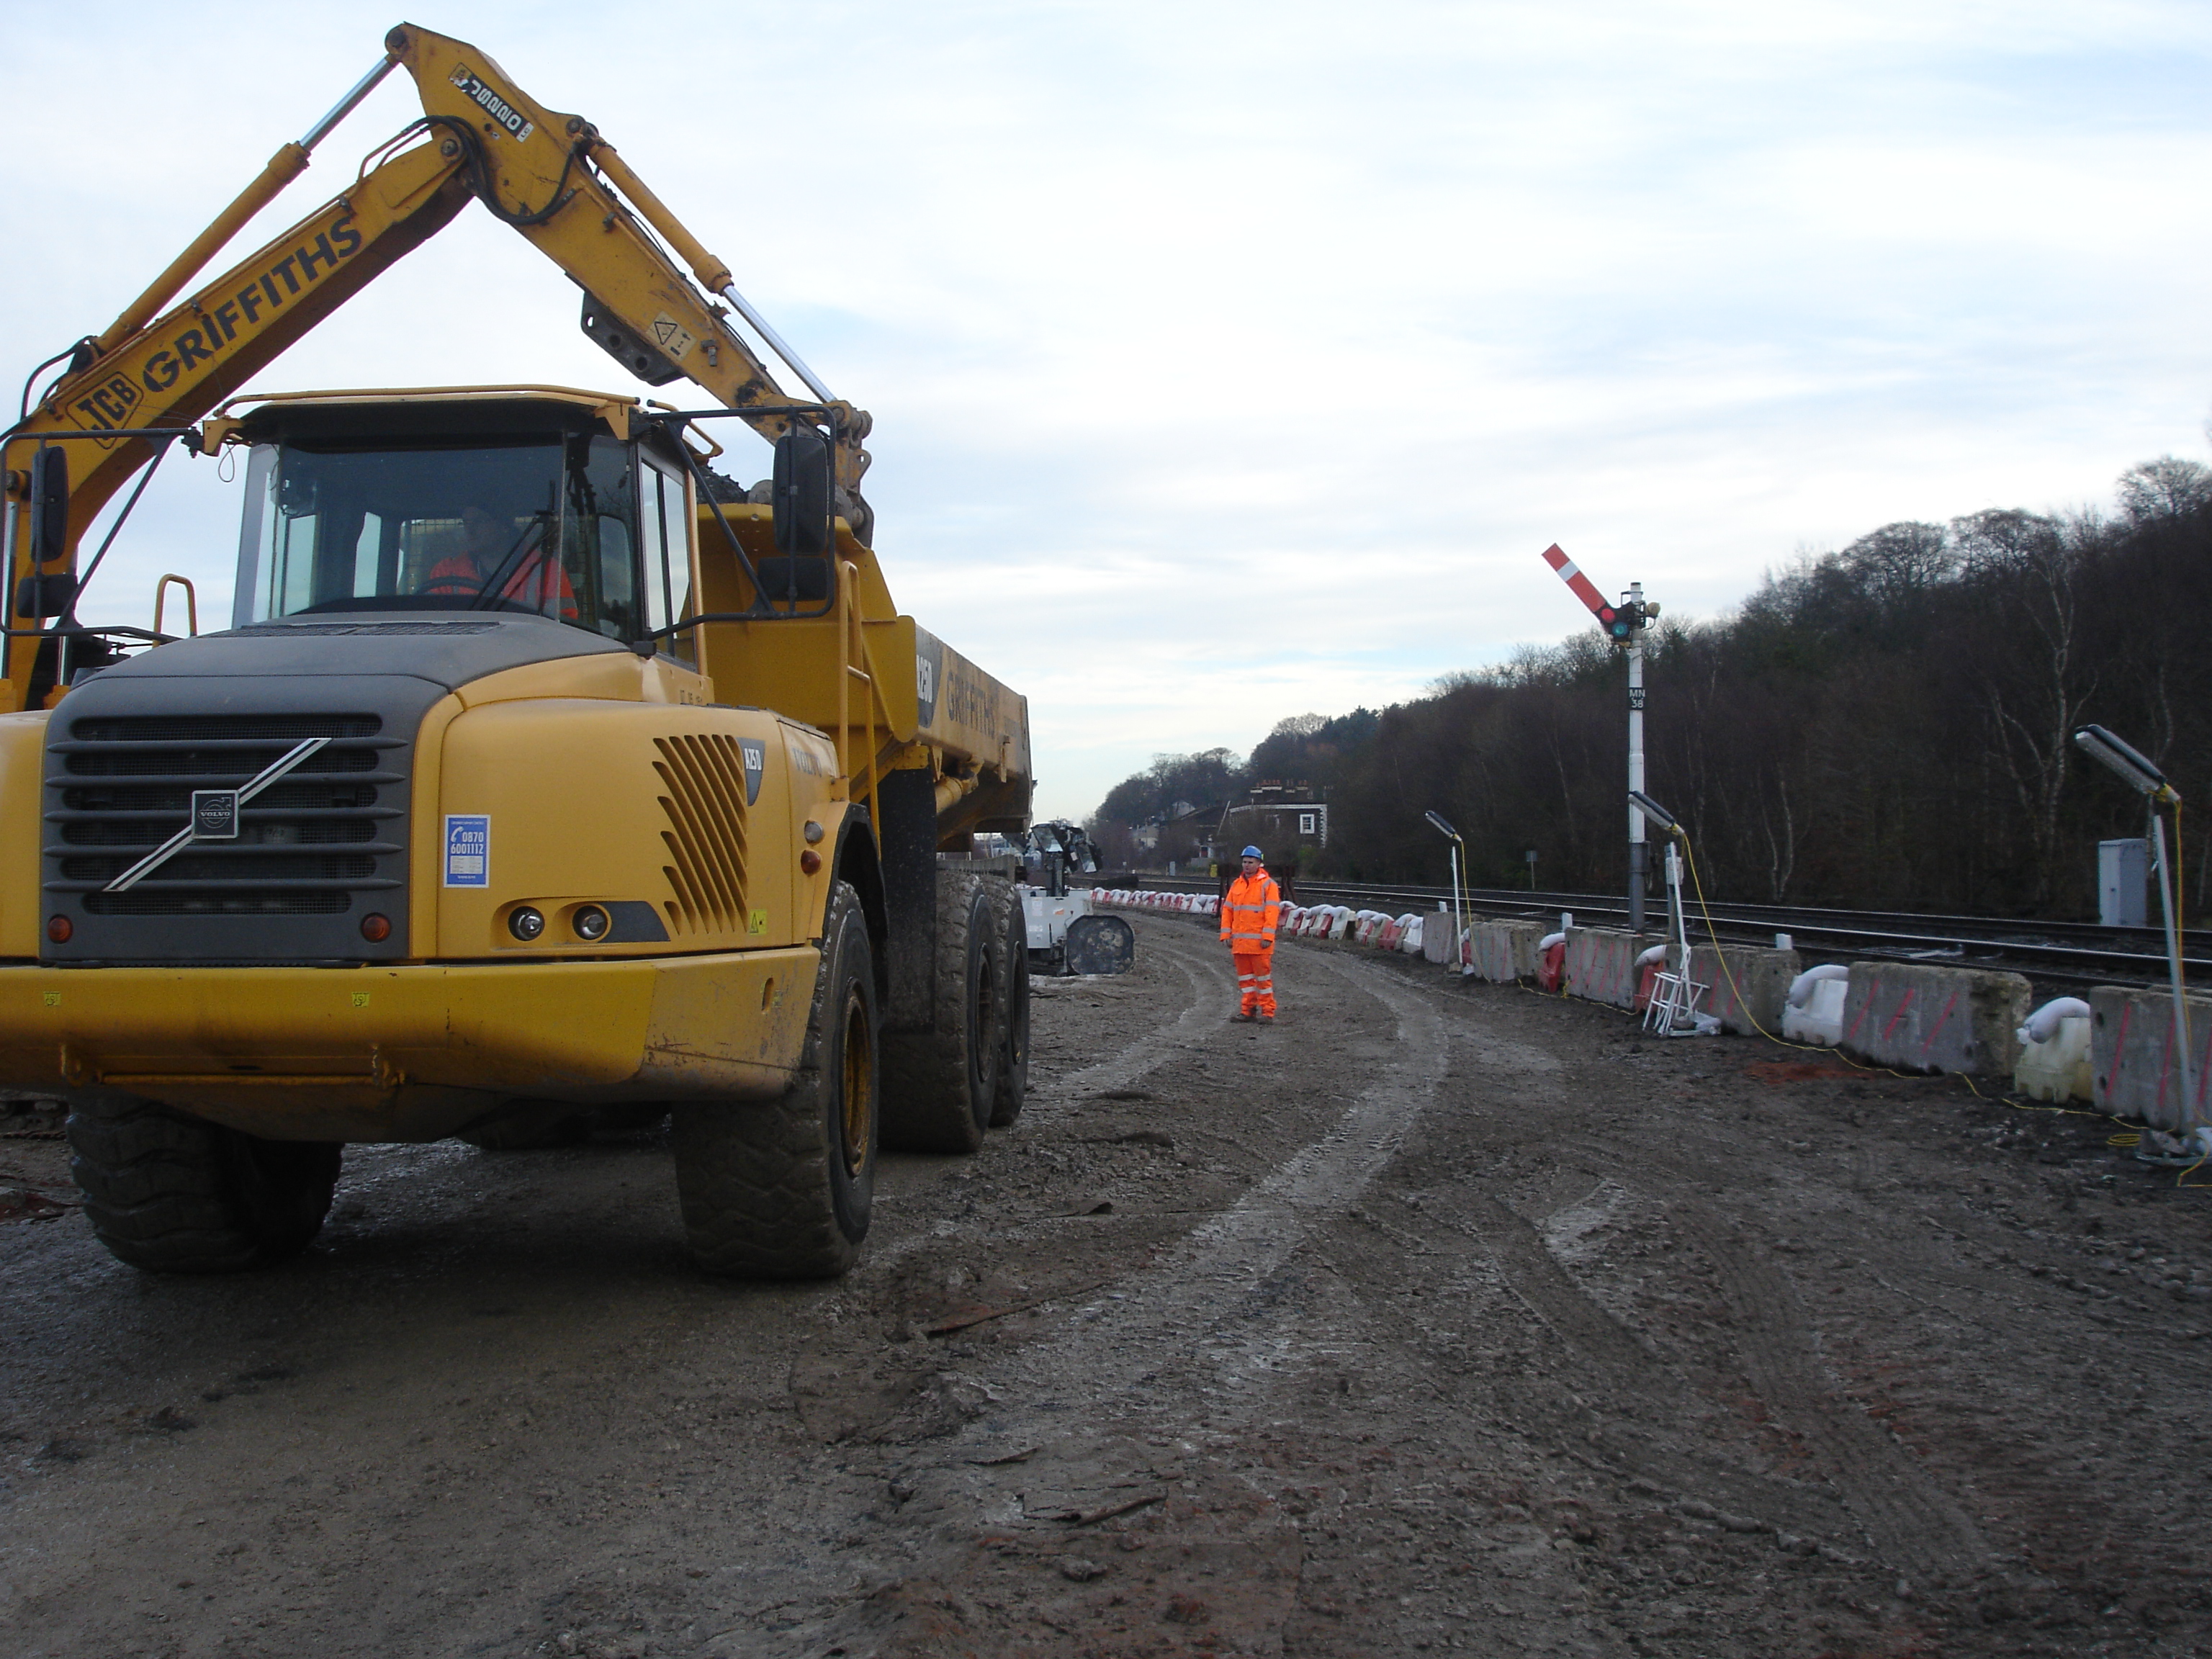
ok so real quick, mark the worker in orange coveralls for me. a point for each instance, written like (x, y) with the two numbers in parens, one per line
(1248, 915)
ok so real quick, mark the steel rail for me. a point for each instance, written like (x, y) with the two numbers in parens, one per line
(2071, 952)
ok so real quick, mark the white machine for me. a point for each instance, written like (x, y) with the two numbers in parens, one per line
(1065, 935)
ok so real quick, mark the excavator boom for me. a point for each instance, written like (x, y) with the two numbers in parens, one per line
(546, 174)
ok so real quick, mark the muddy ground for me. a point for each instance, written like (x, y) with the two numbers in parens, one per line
(1436, 1317)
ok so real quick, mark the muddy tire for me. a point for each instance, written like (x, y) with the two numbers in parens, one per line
(940, 1086)
(783, 1190)
(176, 1194)
(1014, 981)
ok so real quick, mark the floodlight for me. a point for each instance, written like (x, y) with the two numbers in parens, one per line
(1441, 824)
(1659, 817)
(2133, 768)
(2139, 775)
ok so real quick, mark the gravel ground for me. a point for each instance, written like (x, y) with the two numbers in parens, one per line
(1435, 1317)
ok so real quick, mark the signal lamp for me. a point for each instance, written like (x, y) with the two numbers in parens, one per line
(375, 929)
(591, 924)
(526, 923)
(59, 929)
(810, 860)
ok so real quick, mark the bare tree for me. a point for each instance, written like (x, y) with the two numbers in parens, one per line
(2164, 488)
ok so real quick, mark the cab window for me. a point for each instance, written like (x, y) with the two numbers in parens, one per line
(663, 513)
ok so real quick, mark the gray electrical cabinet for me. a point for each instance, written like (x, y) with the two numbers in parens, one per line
(2123, 883)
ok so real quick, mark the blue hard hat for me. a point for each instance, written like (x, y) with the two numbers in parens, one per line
(1251, 853)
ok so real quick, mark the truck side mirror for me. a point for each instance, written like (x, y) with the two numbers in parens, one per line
(40, 598)
(801, 498)
(50, 496)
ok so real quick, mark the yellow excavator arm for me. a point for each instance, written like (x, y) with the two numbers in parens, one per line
(548, 175)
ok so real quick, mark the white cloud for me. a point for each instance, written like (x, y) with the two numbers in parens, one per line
(1229, 362)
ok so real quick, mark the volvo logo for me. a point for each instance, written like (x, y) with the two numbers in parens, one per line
(214, 815)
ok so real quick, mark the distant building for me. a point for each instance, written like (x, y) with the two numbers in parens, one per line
(1283, 818)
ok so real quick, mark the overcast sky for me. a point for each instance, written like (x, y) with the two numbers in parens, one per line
(1234, 361)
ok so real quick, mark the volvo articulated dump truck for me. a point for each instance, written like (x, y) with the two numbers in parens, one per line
(544, 779)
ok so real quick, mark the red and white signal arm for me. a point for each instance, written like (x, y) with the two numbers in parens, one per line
(1582, 587)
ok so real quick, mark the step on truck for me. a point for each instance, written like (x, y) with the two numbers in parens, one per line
(547, 779)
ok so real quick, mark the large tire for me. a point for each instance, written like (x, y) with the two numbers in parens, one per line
(940, 1086)
(1014, 978)
(783, 1191)
(173, 1194)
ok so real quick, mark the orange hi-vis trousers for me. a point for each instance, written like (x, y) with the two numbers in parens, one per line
(1256, 980)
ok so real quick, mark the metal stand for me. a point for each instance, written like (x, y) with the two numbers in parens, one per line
(2192, 1125)
(1639, 860)
(1459, 910)
(1673, 1011)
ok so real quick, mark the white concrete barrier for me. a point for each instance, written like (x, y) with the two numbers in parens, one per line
(2133, 1069)
(1503, 952)
(1751, 995)
(1934, 1020)
(1601, 964)
(1440, 934)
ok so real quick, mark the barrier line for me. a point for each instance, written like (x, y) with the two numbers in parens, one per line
(1874, 990)
(1928, 1047)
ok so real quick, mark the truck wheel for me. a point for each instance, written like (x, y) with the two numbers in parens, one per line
(783, 1190)
(1014, 1055)
(173, 1194)
(939, 1084)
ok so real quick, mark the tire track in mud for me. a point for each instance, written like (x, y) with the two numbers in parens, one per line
(1912, 1524)
(1212, 989)
(1212, 1291)
(1910, 1521)
(1199, 1338)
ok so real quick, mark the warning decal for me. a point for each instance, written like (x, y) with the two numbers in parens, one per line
(672, 337)
(468, 850)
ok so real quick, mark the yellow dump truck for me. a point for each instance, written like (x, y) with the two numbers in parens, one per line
(545, 778)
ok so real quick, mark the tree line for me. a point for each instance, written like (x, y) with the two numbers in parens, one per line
(1885, 727)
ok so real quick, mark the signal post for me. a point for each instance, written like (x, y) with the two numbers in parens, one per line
(1624, 624)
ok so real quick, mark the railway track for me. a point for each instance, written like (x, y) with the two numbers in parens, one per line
(2065, 955)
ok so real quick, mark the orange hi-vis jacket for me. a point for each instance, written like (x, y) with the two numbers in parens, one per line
(1249, 913)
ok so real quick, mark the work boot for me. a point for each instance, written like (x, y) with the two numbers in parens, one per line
(1244, 1014)
(1267, 1019)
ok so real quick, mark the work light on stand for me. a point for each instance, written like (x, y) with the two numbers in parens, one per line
(1443, 826)
(1673, 1011)
(2135, 770)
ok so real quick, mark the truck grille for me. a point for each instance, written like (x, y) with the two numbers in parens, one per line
(705, 777)
(329, 833)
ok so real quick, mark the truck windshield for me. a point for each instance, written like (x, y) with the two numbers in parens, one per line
(538, 524)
